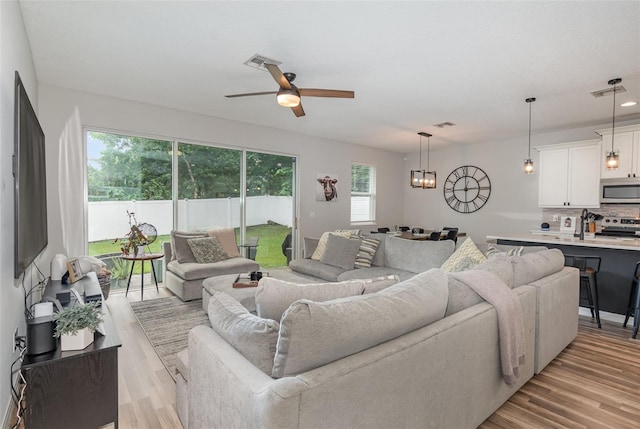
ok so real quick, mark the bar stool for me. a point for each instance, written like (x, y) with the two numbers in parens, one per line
(589, 267)
(633, 308)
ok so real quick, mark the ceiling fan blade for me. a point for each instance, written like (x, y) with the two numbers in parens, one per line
(298, 110)
(251, 94)
(314, 92)
(277, 75)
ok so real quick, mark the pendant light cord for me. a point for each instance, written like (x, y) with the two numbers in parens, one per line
(428, 153)
(420, 166)
(529, 153)
(613, 121)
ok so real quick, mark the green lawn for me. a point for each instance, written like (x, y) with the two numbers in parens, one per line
(269, 252)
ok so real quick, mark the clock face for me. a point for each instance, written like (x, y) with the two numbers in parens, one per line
(467, 189)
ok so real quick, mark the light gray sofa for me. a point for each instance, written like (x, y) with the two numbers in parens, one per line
(404, 258)
(445, 374)
(185, 280)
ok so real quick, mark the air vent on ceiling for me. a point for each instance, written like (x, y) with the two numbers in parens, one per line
(257, 62)
(444, 124)
(608, 91)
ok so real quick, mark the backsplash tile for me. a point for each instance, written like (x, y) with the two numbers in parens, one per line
(619, 210)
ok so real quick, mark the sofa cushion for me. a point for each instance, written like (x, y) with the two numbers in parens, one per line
(227, 237)
(313, 334)
(195, 271)
(497, 249)
(465, 257)
(533, 266)
(317, 269)
(341, 251)
(180, 250)
(416, 256)
(366, 253)
(379, 283)
(274, 296)
(310, 245)
(207, 250)
(255, 338)
(322, 244)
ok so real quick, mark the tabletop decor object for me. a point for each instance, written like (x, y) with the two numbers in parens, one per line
(75, 325)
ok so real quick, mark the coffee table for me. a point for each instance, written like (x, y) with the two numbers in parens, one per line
(246, 295)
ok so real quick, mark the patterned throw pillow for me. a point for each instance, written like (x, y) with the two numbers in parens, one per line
(494, 251)
(207, 250)
(322, 244)
(466, 257)
(366, 253)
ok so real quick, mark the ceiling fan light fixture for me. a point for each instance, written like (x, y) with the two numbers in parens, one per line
(288, 97)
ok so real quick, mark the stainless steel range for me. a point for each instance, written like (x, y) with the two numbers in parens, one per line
(620, 227)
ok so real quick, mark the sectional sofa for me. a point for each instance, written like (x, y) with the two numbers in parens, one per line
(438, 372)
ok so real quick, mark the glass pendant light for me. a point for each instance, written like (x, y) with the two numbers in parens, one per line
(528, 163)
(612, 157)
(423, 178)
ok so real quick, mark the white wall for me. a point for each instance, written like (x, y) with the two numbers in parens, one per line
(315, 155)
(513, 204)
(15, 54)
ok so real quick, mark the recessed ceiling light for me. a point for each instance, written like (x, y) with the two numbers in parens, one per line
(628, 104)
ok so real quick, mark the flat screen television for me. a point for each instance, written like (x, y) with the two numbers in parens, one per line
(30, 181)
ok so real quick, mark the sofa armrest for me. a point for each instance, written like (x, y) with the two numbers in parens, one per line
(226, 390)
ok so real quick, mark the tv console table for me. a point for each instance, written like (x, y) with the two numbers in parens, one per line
(74, 389)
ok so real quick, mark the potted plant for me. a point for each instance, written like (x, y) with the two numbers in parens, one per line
(119, 273)
(76, 324)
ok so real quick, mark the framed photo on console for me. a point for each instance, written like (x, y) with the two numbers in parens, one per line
(75, 273)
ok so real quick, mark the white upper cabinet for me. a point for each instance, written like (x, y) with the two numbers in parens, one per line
(626, 144)
(569, 175)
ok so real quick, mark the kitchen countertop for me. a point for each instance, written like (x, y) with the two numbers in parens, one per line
(550, 237)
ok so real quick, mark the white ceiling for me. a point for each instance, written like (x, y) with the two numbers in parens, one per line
(411, 64)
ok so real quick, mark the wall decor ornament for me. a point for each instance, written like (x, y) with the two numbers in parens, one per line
(467, 189)
(326, 189)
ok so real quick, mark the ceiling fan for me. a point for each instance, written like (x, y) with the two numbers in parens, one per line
(289, 95)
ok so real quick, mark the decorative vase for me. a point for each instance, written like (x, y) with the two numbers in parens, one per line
(78, 341)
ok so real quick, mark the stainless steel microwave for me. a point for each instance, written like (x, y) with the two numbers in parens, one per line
(620, 191)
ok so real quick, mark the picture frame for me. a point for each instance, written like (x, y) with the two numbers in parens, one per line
(326, 189)
(75, 273)
(568, 224)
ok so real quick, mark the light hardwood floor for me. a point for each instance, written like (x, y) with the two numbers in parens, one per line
(594, 383)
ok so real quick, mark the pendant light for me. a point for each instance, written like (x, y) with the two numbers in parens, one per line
(612, 157)
(528, 163)
(424, 179)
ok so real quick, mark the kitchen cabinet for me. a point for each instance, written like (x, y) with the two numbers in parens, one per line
(569, 175)
(627, 145)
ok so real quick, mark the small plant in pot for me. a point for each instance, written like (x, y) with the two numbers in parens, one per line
(76, 324)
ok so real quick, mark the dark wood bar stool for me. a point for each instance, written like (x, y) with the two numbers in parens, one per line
(633, 308)
(589, 267)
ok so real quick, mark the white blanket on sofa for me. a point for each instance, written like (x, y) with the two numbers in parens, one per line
(510, 319)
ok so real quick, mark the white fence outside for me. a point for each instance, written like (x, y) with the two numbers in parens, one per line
(108, 219)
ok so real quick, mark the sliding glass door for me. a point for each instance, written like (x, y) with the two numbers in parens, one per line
(269, 207)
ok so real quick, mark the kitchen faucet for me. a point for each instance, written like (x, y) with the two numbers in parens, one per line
(583, 217)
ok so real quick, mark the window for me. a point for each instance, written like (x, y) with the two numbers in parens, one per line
(363, 193)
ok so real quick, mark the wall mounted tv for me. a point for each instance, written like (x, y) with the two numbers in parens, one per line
(30, 192)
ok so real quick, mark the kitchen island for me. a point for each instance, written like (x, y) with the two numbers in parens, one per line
(619, 256)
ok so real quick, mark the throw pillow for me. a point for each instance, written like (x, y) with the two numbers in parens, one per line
(366, 253)
(207, 250)
(341, 252)
(350, 231)
(322, 243)
(313, 334)
(466, 257)
(379, 283)
(255, 338)
(493, 251)
(227, 237)
(274, 296)
(180, 249)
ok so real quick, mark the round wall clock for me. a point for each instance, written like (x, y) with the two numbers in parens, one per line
(467, 189)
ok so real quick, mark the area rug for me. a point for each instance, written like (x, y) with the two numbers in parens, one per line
(166, 323)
